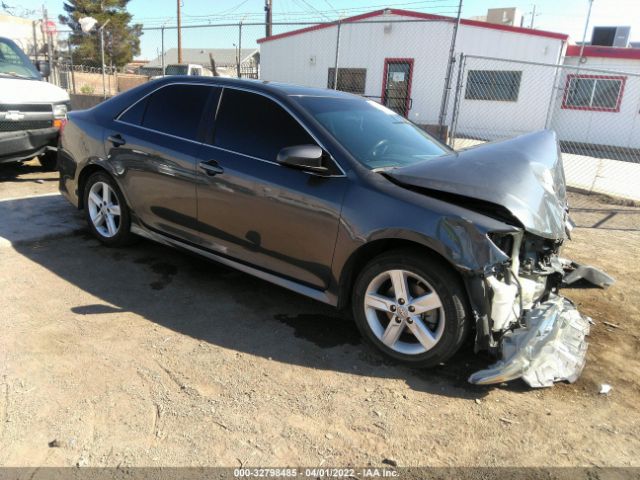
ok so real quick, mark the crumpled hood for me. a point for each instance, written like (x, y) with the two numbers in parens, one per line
(523, 174)
(16, 90)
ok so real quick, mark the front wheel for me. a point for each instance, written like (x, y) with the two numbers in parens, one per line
(106, 211)
(412, 307)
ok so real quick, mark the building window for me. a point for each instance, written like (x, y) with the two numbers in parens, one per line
(350, 80)
(499, 85)
(593, 92)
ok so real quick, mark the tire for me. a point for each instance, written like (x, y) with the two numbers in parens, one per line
(422, 330)
(49, 161)
(108, 217)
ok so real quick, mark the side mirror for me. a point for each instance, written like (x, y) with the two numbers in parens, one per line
(303, 157)
(43, 67)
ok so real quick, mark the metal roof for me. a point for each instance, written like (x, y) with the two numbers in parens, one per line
(222, 56)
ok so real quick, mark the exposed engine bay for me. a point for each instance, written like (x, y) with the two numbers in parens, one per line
(513, 288)
(538, 334)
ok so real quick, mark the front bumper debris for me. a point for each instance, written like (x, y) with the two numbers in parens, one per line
(551, 347)
(573, 272)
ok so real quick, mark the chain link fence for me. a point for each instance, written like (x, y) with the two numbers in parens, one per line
(594, 112)
(403, 64)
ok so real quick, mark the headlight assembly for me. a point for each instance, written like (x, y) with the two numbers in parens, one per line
(60, 111)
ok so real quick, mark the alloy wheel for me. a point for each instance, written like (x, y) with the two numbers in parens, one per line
(404, 312)
(104, 209)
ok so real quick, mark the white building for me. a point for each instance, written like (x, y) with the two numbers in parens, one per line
(605, 108)
(401, 58)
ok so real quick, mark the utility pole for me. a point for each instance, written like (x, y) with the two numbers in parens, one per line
(35, 42)
(268, 9)
(239, 48)
(162, 47)
(533, 16)
(104, 78)
(179, 35)
(49, 37)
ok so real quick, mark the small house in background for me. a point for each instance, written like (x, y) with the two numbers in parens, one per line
(593, 89)
(227, 60)
(513, 80)
(400, 58)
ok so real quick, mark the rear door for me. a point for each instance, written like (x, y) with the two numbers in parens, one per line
(252, 209)
(155, 145)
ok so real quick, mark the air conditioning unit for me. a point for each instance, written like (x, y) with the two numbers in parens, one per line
(504, 16)
(611, 36)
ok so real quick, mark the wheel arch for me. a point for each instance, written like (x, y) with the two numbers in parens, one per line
(365, 253)
(86, 172)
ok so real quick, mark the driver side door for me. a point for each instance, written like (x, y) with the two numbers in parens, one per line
(251, 208)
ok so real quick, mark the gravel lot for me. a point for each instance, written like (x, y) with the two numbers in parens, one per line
(146, 356)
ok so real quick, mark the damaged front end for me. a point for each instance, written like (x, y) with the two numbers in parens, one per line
(538, 334)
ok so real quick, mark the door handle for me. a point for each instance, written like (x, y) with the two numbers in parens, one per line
(211, 168)
(116, 140)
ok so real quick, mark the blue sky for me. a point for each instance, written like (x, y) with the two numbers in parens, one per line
(565, 16)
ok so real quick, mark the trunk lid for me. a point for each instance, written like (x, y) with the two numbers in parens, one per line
(522, 174)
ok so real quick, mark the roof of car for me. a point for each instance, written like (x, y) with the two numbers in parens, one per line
(259, 85)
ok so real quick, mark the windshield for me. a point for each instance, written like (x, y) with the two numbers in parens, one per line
(376, 136)
(14, 63)
(176, 70)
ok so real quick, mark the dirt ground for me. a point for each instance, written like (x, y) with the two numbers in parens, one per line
(146, 356)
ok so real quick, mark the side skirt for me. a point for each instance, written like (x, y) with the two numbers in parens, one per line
(313, 293)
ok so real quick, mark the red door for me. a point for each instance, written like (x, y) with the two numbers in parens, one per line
(396, 84)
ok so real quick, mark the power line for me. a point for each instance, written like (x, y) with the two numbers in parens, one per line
(363, 8)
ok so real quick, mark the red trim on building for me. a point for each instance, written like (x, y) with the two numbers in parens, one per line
(320, 26)
(424, 16)
(387, 61)
(604, 52)
(477, 23)
(598, 77)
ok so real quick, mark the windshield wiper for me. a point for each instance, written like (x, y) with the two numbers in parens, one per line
(384, 169)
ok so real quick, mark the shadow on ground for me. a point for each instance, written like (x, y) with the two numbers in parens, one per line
(209, 302)
(24, 172)
(603, 212)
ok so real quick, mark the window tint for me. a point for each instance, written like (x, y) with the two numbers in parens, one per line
(135, 114)
(375, 135)
(502, 85)
(177, 110)
(254, 125)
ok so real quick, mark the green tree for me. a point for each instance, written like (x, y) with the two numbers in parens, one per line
(121, 39)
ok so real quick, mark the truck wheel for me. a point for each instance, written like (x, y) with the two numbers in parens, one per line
(49, 160)
(106, 211)
(412, 307)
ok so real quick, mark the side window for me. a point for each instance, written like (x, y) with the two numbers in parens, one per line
(135, 114)
(177, 110)
(496, 85)
(254, 125)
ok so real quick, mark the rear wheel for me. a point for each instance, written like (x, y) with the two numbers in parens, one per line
(49, 160)
(106, 211)
(411, 307)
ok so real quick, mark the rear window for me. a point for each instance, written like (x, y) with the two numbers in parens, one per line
(174, 109)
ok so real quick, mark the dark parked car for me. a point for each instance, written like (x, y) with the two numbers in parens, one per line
(340, 199)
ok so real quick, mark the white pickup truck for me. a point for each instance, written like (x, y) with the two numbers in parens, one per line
(187, 69)
(32, 111)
